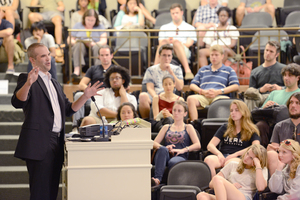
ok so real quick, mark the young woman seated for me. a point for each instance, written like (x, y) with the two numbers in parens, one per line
(132, 16)
(235, 137)
(126, 111)
(179, 138)
(286, 178)
(162, 104)
(240, 180)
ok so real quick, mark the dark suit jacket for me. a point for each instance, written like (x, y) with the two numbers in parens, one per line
(39, 118)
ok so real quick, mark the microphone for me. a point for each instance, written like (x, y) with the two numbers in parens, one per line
(297, 59)
(103, 129)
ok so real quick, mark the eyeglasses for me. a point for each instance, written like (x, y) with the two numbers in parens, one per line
(115, 78)
(177, 31)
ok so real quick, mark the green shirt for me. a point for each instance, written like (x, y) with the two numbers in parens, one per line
(280, 96)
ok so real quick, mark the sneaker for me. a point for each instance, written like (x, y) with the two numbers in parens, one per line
(189, 76)
(10, 71)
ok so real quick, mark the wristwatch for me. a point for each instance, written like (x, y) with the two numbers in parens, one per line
(222, 91)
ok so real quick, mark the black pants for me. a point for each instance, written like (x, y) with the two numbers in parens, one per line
(44, 175)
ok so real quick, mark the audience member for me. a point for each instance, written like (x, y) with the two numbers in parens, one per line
(77, 16)
(40, 35)
(108, 100)
(99, 6)
(52, 10)
(132, 15)
(291, 76)
(286, 129)
(220, 2)
(251, 6)
(10, 8)
(234, 137)
(153, 78)
(7, 41)
(211, 83)
(82, 40)
(180, 139)
(227, 38)
(241, 180)
(163, 104)
(126, 111)
(121, 5)
(93, 74)
(265, 78)
(286, 178)
(205, 18)
(181, 39)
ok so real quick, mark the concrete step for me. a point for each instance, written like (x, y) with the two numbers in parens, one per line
(22, 67)
(19, 192)
(14, 175)
(7, 159)
(5, 98)
(14, 128)
(14, 77)
(10, 114)
(8, 142)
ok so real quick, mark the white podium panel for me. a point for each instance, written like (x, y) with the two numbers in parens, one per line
(119, 169)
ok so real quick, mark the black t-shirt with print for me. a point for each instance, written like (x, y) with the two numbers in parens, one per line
(232, 145)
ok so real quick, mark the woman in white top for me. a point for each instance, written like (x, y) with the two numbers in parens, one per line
(240, 180)
(286, 178)
(226, 38)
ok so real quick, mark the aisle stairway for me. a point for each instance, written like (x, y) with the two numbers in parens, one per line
(13, 174)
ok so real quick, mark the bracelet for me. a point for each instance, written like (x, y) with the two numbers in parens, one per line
(187, 149)
(258, 168)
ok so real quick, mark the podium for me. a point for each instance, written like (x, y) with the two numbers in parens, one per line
(119, 169)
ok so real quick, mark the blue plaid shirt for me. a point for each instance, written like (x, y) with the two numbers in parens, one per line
(206, 14)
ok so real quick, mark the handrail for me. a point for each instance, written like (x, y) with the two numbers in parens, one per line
(151, 37)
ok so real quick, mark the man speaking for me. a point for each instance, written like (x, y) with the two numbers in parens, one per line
(41, 141)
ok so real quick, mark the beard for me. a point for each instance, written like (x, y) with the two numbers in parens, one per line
(295, 116)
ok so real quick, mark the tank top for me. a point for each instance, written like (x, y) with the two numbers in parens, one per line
(164, 104)
(180, 139)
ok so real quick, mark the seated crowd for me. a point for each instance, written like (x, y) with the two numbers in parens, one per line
(242, 150)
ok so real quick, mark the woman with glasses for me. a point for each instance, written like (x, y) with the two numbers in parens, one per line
(234, 137)
(240, 180)
(286, 178)
(179, 139)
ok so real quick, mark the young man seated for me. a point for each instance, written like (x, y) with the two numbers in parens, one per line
(109, 99)
(212, 82)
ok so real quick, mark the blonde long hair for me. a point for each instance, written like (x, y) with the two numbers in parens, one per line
(247, 126)
(260, 152)
(294, 147)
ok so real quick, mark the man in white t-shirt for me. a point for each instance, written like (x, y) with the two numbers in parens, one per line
(179, 38)
(109, 99)
(227, 38)
(250, 6)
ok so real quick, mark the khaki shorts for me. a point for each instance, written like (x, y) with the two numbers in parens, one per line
(262, 10)
(207, 101)
(187, 52)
